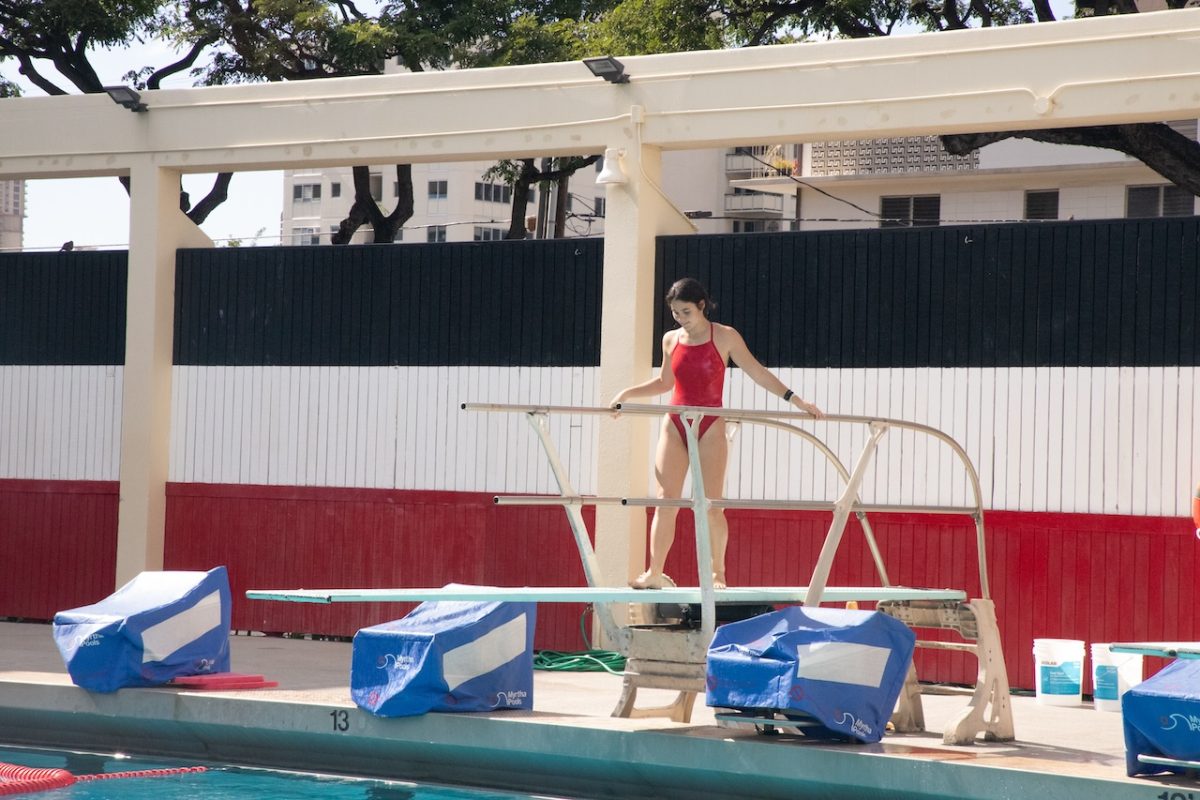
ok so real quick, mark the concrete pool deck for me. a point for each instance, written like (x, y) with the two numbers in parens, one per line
(567, 745)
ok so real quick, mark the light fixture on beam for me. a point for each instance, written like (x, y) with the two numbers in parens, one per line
(612, 173)
(608, 68)
(127, 97)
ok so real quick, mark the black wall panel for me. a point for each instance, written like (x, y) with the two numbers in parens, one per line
(1087, 293)
(63, 308)
(1094, 293)
(524, 303)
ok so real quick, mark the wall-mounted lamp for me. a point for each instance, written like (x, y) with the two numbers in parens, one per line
(608, 68)
(127, 97)
(612, 173)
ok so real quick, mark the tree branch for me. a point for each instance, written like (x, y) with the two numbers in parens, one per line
(30, 71)
(218, 194)
(184, 63)
(1043, 10)
(1166, 151)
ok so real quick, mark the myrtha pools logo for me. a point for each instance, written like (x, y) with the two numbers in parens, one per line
(511, 698)
(91, 640)
(395, 661)
(857, 726)
(1191, 720)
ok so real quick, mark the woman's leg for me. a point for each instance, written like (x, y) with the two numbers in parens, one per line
(670, 466)
(714, 457)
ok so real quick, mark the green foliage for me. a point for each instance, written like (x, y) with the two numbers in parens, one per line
(99, 23)
(635, 27)
(60, 33)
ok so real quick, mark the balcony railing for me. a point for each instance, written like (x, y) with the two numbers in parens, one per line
(750, 166)
(755, 203)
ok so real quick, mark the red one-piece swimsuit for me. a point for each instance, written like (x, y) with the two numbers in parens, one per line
(699, 381)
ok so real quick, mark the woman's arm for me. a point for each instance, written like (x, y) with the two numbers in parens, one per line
(742, 357)
(663, 382)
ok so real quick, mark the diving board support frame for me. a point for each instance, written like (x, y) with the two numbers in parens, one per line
(574, 510)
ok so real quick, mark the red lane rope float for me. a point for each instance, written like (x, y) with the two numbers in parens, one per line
(140, 773)
(19, 780)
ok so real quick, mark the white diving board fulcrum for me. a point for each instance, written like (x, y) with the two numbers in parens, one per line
(670, 657)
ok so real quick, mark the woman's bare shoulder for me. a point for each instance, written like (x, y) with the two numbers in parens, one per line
(725, 334)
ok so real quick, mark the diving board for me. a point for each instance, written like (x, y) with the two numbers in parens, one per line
(604, 594)
(1160, 649)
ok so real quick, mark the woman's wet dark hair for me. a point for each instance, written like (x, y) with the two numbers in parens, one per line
(690, 290)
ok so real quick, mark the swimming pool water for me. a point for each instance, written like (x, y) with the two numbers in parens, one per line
(222, 782)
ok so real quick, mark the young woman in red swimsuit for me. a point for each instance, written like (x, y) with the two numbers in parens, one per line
(694, 359)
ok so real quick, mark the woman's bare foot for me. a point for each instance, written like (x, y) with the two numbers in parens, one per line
(719, 583)
(647, 580)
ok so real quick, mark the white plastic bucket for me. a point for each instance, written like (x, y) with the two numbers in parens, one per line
(1058, 664)
(1113, 674)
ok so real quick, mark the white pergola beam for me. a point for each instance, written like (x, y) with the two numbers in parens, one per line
(1129, 68)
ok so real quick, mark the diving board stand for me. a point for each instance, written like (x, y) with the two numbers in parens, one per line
(672, 656)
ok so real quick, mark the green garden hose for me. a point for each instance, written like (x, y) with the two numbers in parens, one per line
(588, 660)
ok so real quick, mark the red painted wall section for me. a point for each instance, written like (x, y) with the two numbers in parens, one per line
(291, 537)
(1089, 577)
(59, 545)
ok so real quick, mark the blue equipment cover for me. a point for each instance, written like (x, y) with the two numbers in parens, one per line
(1162, 718)
(159, 626)
(446, 655)
(842, 668)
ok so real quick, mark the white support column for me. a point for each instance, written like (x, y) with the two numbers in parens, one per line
(156, 229)
(635, 213)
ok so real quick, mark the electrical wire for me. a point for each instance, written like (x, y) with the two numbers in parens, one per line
(808, 185)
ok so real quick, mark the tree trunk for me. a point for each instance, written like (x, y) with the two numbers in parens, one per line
(366, 211)
(520, 199)
(526, 177)
(560, 206)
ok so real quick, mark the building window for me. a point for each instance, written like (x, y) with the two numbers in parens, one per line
(437, 191)
(435, 233)
(913, 211)
(306, 236)
(335, 189)
(306, 192)
(488, 234)
(598, 206)
(492, 192)
(1041, 205)
(376, 181)
(1167, 200)
(748, 226)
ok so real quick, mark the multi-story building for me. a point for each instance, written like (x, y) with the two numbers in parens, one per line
(455, 203)
(912, 181)
(12, 214)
